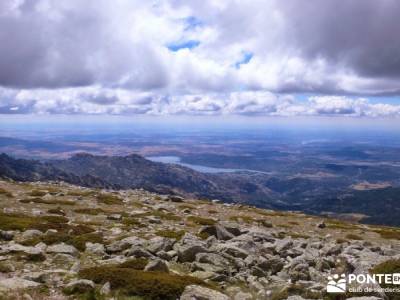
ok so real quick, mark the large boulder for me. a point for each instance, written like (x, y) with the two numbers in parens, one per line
(17, 283)
(218, 231)
(63, 248)
(212, 258)
(187, 253)
(196, 292)
(159, 243)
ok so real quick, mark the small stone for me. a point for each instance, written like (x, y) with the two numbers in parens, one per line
(6, 235)
(105, 289)
(321, 225)
(157, 265)
(114, 217)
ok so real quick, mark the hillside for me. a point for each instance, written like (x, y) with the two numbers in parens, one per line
(60, 241)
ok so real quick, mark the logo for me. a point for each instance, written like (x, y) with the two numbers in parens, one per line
(336, 284)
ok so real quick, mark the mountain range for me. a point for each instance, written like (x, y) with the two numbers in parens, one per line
(378, 206)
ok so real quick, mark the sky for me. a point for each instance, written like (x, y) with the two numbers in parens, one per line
(201, 57)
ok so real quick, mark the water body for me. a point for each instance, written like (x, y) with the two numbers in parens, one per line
(199, 168)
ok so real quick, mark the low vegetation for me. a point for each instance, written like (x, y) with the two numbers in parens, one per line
(352, 236)
(47, 201)
(388, 267)
(89, 211)
(171, 234)
(109, 199)
(201, 220)
(6, 193)
(149, 285)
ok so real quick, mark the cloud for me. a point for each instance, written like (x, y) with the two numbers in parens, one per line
(97, 100)
(199, 57)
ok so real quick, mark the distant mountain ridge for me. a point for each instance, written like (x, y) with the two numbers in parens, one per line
(134, 171)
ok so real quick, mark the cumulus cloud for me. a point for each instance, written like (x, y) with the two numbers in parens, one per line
(199, 57)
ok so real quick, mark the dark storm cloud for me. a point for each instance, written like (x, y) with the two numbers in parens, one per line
(361, 35)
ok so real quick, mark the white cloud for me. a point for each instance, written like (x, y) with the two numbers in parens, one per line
(100, 56)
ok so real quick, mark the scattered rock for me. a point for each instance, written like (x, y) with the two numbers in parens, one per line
(105, 289)
(63, 248)
(6, 235)
(321, 225)
(17, 283)
(114, 217)
(79, 286)
(196, 292)
(157, 265)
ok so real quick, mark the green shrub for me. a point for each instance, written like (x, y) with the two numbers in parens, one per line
(135, 264)
(89, 211)
(109, 199)
(171, 234)
(6, 193)
(47, 201)
(133, 222)
(78, 241)
(388, 267)
(389, 233)
(201, 221)
(166, 216)
(352, 236)
(37, 193)
(56, 211)
(149, 285)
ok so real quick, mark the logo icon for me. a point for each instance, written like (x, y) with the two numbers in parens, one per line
(336, 284)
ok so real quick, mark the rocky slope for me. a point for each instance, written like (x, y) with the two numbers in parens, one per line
(60, 241)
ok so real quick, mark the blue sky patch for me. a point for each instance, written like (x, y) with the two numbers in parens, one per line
(183, 45)
(247, 56)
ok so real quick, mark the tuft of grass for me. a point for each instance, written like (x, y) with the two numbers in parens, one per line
(56, 211)
(201, 221)
(6, 193)
(203, 235)
(187, 206)
(78, 241)
(135, 263)
(295, 289)
(166, 216)
(149, 285)
(352, 236)
(47, 201)
(89, 211)
(265, 223)
(245, 218)
(296, 235)
(389, 233)
(172, 234)
(133, 222)
(388, 267)
(109, 199)
(80, 193)
(340, 224)
(341, 241)
(37, 193)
